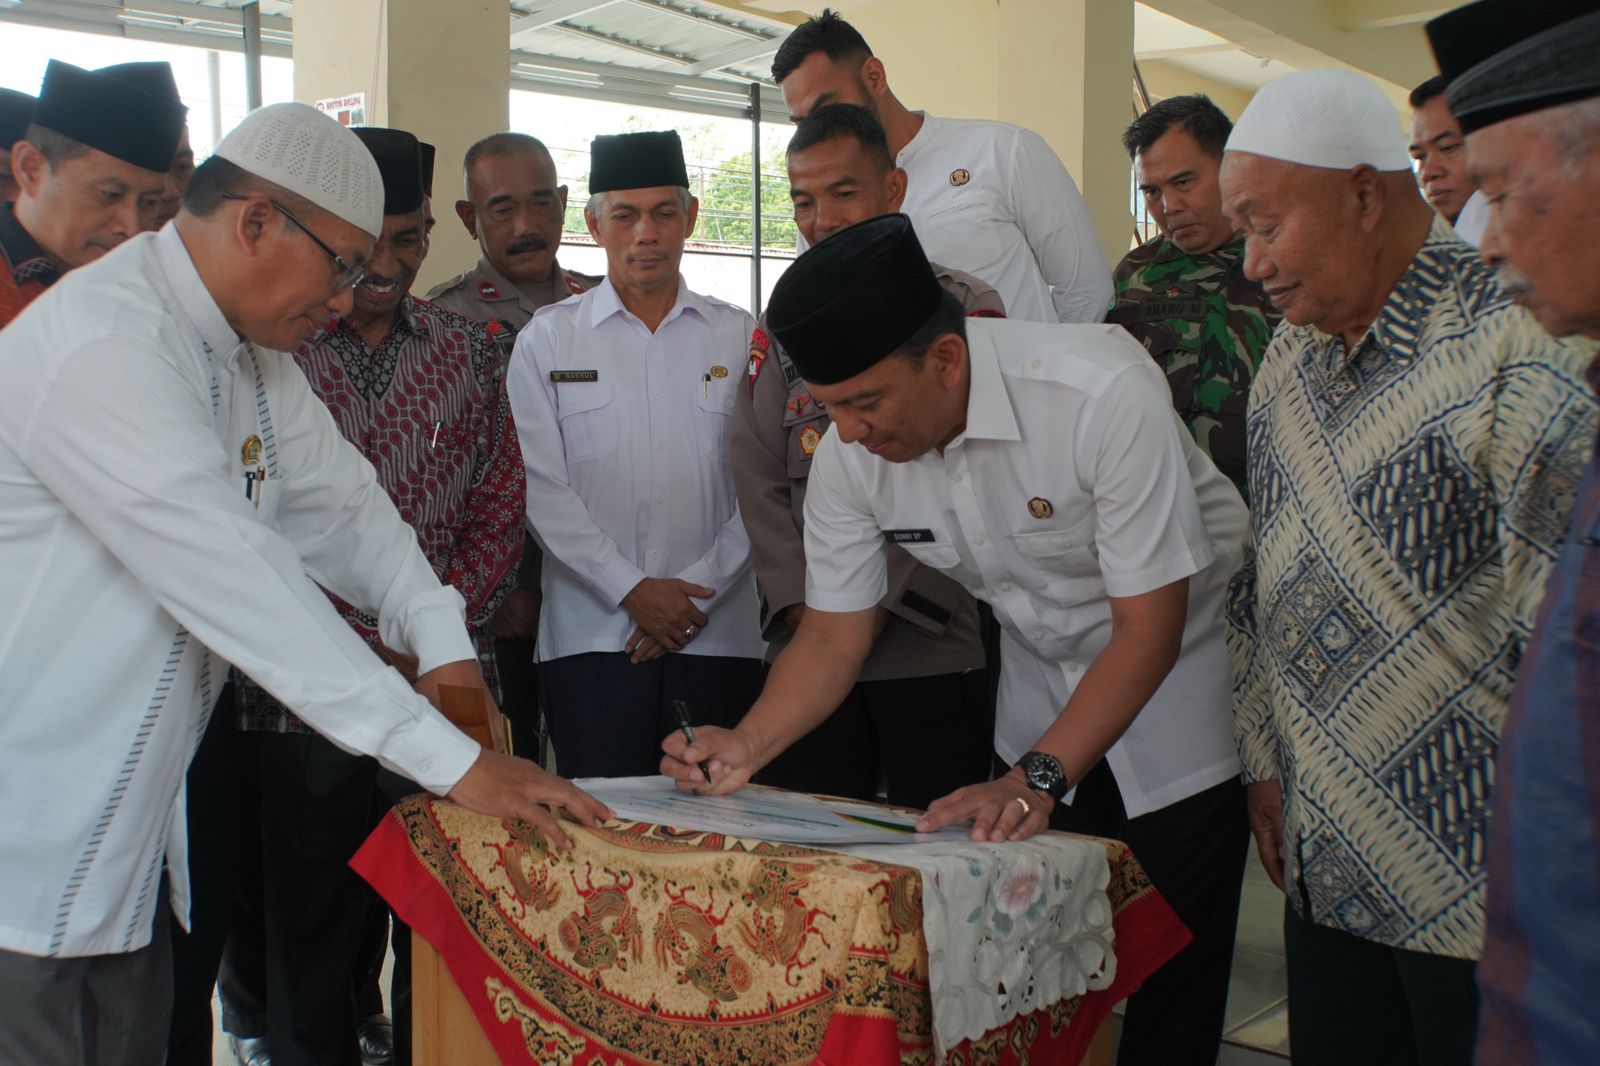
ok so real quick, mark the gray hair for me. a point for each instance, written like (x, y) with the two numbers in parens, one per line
(597, 203)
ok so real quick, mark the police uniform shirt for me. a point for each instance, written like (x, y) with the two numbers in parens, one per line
(625, 435)
(995, 201)
(485, 295)
(1072, 481)
(777, 427)
(164, 492)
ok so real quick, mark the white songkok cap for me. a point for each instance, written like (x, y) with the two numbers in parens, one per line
(310, 154)
(1322, 118)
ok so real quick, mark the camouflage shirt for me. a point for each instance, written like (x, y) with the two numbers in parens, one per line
(1207, 325)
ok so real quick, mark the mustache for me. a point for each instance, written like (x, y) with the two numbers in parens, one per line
(531, 243)
(1512, 283)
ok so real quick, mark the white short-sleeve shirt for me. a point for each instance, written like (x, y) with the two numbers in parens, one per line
(625, 437)
(993, 200)
(1072, 482)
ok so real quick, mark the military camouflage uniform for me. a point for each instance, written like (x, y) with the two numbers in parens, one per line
(1207, 325)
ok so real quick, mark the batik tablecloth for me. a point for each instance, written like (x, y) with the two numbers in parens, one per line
(649, 946)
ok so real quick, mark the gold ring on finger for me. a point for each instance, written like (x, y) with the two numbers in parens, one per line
(1026, 808)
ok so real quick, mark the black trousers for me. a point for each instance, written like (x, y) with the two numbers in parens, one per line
(927, 736)
(1353, 1000)
(220, 795)
(607, 716)
(89, 1010)
(519, 700)
(1194, 852)
(313, 933)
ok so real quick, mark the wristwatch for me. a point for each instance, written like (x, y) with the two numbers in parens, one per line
(1044, 773)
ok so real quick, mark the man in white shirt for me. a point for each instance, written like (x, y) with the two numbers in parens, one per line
(623, 399)
(987, 197)
(171, 497)
(1042, 467)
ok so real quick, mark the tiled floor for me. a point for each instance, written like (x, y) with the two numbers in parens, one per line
(1256, 1025)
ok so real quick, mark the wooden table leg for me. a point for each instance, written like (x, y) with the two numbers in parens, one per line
(1101, 1050)
(444, 1031)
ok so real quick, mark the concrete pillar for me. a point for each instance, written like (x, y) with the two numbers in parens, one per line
(1063, 68)
(451, 86)
(1066, 72)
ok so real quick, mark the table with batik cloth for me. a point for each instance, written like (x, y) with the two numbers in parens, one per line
(645, 945)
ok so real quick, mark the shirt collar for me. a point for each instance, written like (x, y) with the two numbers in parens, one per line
(990, 415)
(605, 302)
(1225, 254)
(194, 299)
(406, 321)
(920, 140)
(28, 261)
(1432, 270)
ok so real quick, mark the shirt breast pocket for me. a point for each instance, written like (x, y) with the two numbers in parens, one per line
(973, 228)
(1066, 557)
(715, 406)
(588, 420)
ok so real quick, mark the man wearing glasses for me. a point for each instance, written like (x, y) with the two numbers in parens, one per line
(172, 495)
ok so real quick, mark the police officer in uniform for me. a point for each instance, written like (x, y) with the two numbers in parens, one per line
(921, 713)
(514, 210)
(96, 151)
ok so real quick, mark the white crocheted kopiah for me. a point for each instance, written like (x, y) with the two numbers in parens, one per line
(1011, 928)
(1323, 118)
(308, 153)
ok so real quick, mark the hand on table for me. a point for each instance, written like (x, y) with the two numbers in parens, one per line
(504, 786)
(1264, 809)
(664, 612)
(730, 754)
(993, 808)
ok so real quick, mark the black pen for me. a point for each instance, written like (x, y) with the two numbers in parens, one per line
(688, 732)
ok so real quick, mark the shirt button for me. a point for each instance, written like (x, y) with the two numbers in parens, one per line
(1006, 586)
(424, 766)
(658, 447)
(1038, 634)
(955, 477)
(1036, 364)
(980, 539)
(1072, 666)
(661, 499)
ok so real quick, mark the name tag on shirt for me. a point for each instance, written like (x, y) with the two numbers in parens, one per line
(567, 377)
(908, 536)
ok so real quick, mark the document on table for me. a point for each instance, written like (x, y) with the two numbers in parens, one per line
(760, 814)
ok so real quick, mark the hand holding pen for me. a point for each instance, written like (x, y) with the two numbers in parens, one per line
(682, 711)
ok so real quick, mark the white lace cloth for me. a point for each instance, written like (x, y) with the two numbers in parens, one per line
(1011, 928)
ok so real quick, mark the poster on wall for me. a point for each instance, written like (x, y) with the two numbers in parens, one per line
(349, 110)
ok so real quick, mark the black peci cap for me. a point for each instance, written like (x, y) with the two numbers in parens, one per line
(400, 162)
(1506, 59)
(636, 161)
(425, 153)
(854, 299)
(132, 114)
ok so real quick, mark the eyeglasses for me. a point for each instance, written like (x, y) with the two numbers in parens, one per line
(349, 276)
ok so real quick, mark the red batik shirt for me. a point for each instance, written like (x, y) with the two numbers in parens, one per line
(428, 409)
